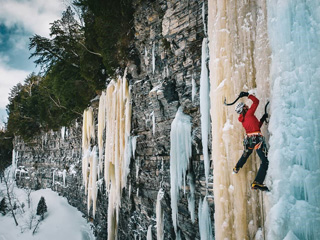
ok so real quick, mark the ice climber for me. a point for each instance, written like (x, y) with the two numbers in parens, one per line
(253, 140)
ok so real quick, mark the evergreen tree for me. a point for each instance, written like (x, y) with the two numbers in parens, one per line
(5, 151)
(3, 206)
(76, 60)
(42, 207)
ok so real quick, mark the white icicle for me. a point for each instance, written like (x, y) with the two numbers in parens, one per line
(180, 153)
(159, 216)
(149, 233)
(93, 175)
(63, 131)
(134, 145)
(205, 227)
(101, 127)
(90, 125)
(194, 89)
(53, 180)
(191, 197)
(153, 122)
(205, 106)
(153, 58)
(14, 163)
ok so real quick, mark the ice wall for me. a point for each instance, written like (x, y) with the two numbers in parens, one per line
(118, 149)
(239, 61)
(294, 32)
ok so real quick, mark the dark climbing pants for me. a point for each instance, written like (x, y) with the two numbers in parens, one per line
(250, 143)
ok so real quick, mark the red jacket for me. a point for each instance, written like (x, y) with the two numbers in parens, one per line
(249, 121)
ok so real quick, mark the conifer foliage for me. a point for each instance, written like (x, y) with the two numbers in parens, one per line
(81, 54)
(3, 206)
(42, 208)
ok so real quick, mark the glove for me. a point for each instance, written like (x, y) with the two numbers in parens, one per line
(244, 94)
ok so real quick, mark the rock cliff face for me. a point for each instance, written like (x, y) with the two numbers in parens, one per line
(163, 76)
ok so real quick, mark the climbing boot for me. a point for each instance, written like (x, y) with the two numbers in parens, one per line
(236, 169)
(260, 186)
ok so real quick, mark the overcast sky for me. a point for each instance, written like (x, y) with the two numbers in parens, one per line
(20, 20)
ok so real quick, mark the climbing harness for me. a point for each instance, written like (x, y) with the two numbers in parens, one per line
(254, 141)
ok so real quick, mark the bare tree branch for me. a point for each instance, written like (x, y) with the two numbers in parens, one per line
(6, 181)
(97, 54)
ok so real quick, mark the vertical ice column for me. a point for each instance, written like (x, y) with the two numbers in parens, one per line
(63, 132)
(53, 180)
(239, 61)
(149, 233)
(294, 169)
(118, 149)
(180, 153)
(191, 196)
(92, 182)
(101, 128)
(153, 58)
(205, 105)
(159, 216)
(14, 164)
(205, 227)
(153, 123)
(194, 89)
(87, 134)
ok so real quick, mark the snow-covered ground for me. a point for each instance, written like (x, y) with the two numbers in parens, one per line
(62, 221)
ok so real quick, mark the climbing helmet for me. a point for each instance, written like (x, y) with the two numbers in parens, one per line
(239, 107)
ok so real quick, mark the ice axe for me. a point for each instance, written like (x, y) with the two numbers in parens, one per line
(265, 111)
(229, 104)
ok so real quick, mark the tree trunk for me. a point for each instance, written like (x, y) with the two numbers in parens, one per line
(9, 200)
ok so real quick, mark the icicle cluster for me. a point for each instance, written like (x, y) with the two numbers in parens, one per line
(180, 153)
(89, 159)
(118, 149)
(114, 119)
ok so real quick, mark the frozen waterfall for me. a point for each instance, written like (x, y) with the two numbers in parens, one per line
(272, 47)
(239, 61)
(294, 32)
